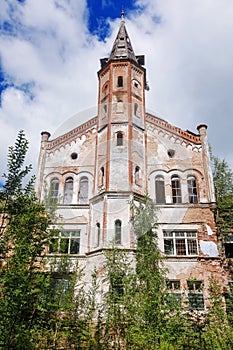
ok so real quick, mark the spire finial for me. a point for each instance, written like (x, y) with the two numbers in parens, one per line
(122, 14)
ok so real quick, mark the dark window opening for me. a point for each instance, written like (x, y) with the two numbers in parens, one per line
(98, 233)
(74, 155)
(119, 138)
(229, 250)
(159, 190)
(120, 81)
(135, 109)
(137, 175)
(118, 232)
(171, 153)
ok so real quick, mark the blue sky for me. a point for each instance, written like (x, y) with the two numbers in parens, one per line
(50, 51)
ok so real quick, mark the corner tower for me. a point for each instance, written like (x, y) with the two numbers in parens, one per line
(121, 117)
(120, 169)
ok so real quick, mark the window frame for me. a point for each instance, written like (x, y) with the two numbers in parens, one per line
(119, 137)
(195, 295)
(192, 189)
(67, 190)
(117, 231)
(120, 81)
(63, 240)
(180, 243)
(176, 189)
(54, 190)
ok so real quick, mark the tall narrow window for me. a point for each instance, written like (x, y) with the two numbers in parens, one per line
(120, 81)
(159, 190)
(176, 189)
(83, 190)
(53, 190)
(118, 232)
(135, 109)
(101, 177)
(119, 138)
(68, 191)
(98, 234)
(192, 189)
(137, 174)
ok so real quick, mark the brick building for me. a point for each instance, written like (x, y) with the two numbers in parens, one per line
(93, 171)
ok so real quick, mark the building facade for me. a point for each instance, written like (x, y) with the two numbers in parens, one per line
(94, 170)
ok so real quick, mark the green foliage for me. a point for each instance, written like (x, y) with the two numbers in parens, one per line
(223, 184)
(218, 333)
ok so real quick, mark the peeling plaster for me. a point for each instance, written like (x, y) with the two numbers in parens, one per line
(209, 230)
(209, 248)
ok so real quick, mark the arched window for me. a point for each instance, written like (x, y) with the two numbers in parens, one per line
(136, 109)
(137, 175)
(118, 232)
(176, 189)
(83, 190)
(120, 81)
(159, 190)
(98, 234)
(68, 191)
(53, 190)
(119, 138)
(192, 189)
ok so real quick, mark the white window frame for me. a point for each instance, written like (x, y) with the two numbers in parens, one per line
(175, 236)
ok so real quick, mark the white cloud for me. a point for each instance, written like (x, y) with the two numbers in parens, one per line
(51, 61)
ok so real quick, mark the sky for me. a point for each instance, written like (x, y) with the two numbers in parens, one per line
(49, 58)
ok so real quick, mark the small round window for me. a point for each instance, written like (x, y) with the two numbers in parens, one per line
(171, 153)
(74, 155)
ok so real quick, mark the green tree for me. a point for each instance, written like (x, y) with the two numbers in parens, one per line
(24, 236)
(223, 184)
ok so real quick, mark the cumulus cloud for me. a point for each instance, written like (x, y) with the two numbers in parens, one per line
(50, 59)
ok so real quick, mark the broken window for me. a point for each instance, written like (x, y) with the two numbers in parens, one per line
(83, 190)
(192, 189)
(159, 190)
(118, 232)
(195, 295)
(180, 243)
(65, 242)
(120, 81)
(68, 191)
(176, 189)
(54, 190)
(119, 138)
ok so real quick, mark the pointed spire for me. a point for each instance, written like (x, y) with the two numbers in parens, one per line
(122, 47)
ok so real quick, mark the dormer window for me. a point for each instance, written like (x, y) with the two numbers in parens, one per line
(120, 81)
